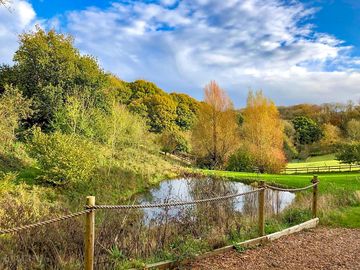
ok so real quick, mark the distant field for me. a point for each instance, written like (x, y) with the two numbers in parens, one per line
(325, 163)
(326, 160)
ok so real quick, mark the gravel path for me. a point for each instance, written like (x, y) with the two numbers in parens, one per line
(320, 248)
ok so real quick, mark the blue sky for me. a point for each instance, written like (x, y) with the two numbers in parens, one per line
(296, 51)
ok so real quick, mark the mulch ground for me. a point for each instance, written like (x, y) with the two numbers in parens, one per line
(320, 248)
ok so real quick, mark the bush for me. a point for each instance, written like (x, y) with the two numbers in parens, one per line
(174, 142)
(54, 246)
(241, 161)
(63, 158)
(13, 108)
(294, 216)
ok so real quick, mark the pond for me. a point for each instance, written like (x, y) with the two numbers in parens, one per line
(189, 189)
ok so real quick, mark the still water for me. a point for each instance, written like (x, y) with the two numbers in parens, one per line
(189, 189)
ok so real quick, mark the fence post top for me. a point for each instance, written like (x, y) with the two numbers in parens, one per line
(315, 179)
(261, 183)
(90, 200)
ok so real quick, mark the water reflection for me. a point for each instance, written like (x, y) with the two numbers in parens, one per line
(188, 189)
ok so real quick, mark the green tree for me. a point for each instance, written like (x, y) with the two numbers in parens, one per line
(186, 111)
(349, 153)
(118, 89)
(307, 130)
(161, 112)
(142, 88)
(49, 69)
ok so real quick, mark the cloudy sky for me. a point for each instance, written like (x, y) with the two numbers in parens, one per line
(296, 51)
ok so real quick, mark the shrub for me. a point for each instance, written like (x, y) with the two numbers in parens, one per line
(294, 216)
(13, 108)
(174, 142)
(241, 161)
(63, 158)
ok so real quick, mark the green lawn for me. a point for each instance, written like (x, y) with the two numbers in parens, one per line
(326, 160)
(329, 182)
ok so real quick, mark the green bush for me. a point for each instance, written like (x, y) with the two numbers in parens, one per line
(240, 161)
(63, 158)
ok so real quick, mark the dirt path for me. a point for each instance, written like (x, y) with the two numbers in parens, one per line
(321, 248)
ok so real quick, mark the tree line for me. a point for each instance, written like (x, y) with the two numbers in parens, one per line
(54, 96)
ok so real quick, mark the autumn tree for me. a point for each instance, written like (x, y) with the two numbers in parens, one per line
(215, 135)
(331, 137)
(262, 133)
(353, 129)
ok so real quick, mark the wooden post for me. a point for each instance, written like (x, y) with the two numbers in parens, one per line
(261, 199)
(90, 235)
(315, 196)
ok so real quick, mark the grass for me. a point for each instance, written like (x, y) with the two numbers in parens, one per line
(329, 182)
(318, 161)
(347, 217)
(342, 187)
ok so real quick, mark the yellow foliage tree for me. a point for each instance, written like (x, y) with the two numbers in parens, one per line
(216, 133)
(262, 133)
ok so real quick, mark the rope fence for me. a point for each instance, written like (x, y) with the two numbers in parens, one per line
(42, 223)
(90, 208)
(172, 204)
(290, 189)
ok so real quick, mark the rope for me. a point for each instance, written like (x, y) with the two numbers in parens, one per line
(170, 204)
(289, 189)
(30, 226)
(156, 205)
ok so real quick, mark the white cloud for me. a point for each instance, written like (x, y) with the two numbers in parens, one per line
(249, 43)
(14, 20)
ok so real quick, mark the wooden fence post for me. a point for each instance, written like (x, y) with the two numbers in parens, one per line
(90, 234)
(315, 196)
(261, 199)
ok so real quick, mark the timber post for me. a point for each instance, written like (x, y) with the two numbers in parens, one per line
(315, 181)
(90, 234)
(261, 200)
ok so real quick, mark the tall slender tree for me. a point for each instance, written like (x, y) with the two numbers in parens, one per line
(262, 132)
(216, 132)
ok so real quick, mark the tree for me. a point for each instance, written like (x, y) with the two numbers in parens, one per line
(161, 112)
(307, 130)
(174, 141)
(331, 136)
(142, 88)
(215, 135)
(49, 68)
(262, 133)
(13, 108)
(289, 140)
(353, 129)
(349, 153)
(186, 110)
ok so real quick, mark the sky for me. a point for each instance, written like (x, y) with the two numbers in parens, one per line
(296, 51)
